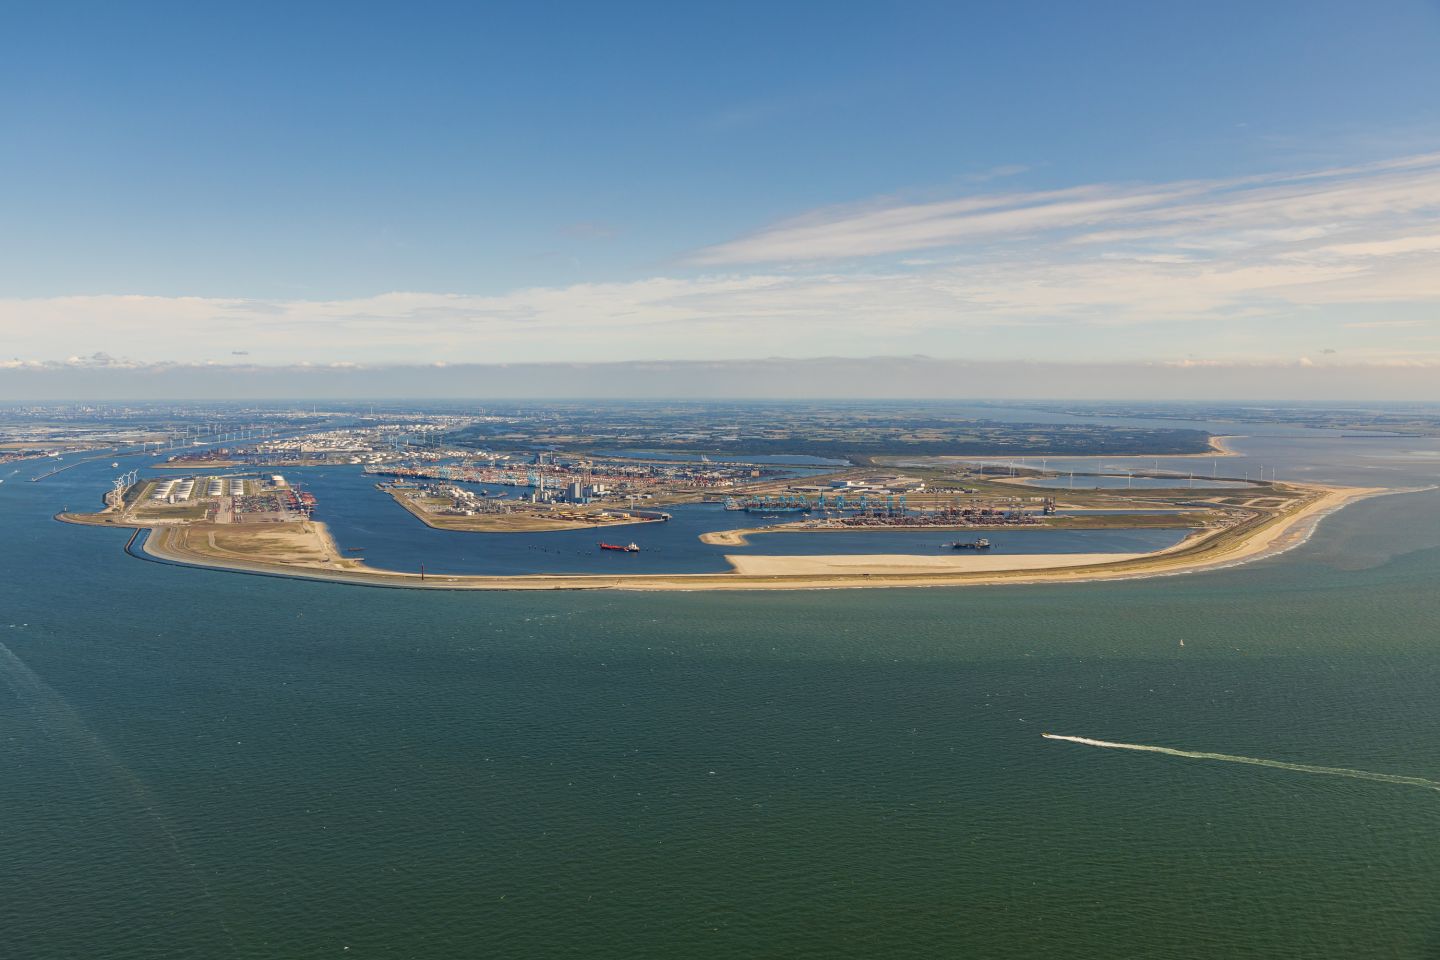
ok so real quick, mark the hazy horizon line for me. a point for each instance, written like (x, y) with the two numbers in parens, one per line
(776, 378)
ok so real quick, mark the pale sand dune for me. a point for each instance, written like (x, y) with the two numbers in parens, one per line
(893, 563)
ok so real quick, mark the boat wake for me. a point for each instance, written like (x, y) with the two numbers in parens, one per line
(93, 765)
(1252, 761)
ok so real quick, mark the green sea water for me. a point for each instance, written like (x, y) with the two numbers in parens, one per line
(200, 764)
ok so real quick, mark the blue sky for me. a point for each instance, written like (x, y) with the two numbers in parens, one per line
(352, 183)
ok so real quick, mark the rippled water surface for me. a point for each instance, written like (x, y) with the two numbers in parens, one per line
(201, 764)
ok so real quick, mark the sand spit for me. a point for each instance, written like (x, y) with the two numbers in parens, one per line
(307, 551)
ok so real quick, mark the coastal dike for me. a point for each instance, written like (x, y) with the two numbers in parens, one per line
(305, 550)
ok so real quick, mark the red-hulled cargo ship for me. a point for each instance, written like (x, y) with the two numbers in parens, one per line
(629, 548)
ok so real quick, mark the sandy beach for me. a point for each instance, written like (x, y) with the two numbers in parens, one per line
(883, 564)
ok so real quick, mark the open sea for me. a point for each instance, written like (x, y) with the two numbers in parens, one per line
(211, 765)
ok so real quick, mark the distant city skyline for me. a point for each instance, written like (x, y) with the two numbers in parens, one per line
(1029, 186)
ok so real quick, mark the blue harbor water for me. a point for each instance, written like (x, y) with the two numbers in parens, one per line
(202, 764)
(367, 522)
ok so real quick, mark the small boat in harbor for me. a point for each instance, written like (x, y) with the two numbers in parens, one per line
(628, 548)
(981, 544)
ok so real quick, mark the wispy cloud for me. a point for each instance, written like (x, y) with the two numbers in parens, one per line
(1301, 205)
(853, 233)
